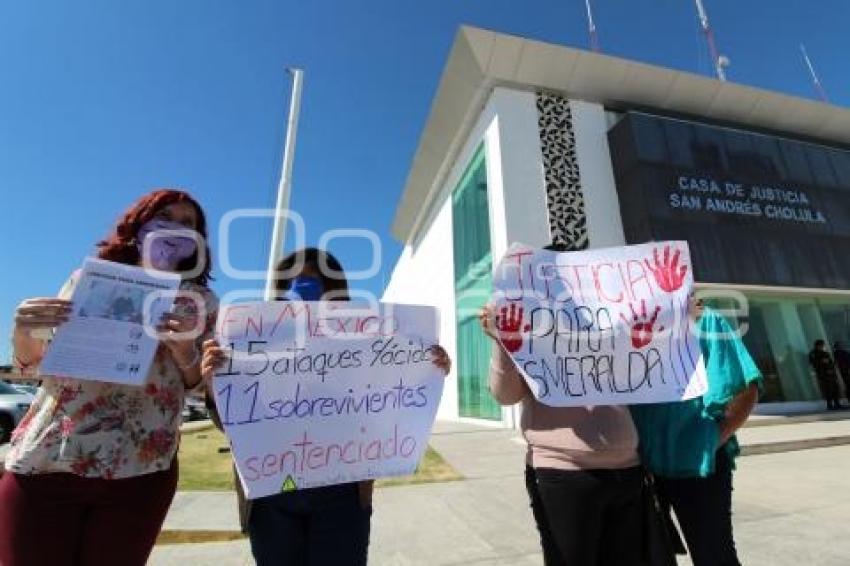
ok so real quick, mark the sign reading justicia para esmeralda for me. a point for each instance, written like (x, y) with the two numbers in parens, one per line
(708, 195)
(600, 327)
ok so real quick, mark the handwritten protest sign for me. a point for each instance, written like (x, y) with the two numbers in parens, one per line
(323, 393)
(600, 327)
(109, 335)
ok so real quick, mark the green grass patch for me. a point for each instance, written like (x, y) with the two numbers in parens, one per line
(204, 468)
(432, 468)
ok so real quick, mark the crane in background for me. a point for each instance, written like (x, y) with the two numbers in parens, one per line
(720, 62)
(591, 28)
(818, 86)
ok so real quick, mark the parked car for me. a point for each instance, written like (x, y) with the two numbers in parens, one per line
(24, 388)
(194, 409)
(13, 406)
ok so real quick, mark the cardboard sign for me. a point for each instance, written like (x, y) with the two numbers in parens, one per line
(600, 327)
(320, 393)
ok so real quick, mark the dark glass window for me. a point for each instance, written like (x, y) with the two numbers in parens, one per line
(770, 157)
(650, 139)
(819, 163)
(679, 137)
(795, 162)
(750, 156)
(841, 165)
(707, 148)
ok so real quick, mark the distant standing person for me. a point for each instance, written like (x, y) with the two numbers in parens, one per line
(842, 360)
(825, 371)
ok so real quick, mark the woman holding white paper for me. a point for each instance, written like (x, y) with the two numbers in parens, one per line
(322, 526)
(92, 465)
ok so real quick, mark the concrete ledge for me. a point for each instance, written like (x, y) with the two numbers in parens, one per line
(195, 426)
(792, 445)
(795, 433)
(772, 420)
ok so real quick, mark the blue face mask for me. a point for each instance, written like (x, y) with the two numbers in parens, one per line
(304, 289)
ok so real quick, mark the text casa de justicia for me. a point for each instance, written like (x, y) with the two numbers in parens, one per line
(700, 193)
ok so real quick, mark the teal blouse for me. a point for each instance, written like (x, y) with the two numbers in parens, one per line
(680, 439)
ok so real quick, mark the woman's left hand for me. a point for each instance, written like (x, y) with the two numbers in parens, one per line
(177, 331)
(441, 358)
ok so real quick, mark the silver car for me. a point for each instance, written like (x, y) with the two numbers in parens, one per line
(13, 406)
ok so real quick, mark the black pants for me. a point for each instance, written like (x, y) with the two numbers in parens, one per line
(323, 526)
(703, 507)
(830, 391)
(588, 517)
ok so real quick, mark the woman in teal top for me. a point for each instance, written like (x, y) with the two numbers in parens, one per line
(690, 446)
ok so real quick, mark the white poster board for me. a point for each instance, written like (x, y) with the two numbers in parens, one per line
(320, 393)
(600, 327)
(110, 334)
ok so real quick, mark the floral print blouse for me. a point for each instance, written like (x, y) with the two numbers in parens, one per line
(105, 430)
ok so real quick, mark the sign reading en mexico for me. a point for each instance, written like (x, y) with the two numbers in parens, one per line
(600, 327)
(320, 393)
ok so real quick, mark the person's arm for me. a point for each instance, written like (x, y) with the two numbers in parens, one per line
(33, 319)
(213, 358)
(738, 411)
(178, 333)
(441, 358)
(506, 383)
(174, 329)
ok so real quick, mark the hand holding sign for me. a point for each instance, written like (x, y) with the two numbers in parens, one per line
(510, 324)
(41, 313)
(441, 359)
(213, 357)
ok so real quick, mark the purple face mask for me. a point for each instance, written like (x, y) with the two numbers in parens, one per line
(165, 252)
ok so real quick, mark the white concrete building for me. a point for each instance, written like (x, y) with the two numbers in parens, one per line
(537, 143)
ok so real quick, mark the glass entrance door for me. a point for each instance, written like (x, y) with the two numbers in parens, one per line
(473, 280)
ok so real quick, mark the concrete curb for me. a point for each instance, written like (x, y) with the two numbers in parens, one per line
(773, 420)
(195, 426)
(793, 445)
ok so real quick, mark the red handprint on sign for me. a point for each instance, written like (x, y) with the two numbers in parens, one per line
(668, 273)
(642, 326)
(508, 323)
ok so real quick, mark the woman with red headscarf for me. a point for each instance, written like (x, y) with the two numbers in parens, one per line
(92, 467)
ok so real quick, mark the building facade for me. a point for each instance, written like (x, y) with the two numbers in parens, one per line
(535, 143)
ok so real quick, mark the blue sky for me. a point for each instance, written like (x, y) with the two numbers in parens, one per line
(103, 100)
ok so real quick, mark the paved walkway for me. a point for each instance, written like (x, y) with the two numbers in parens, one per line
(791, 508)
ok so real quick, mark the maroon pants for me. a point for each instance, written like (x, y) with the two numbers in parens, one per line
(63, 519)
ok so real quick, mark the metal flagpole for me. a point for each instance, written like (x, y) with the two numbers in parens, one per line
(815, 79)
(284, 187)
